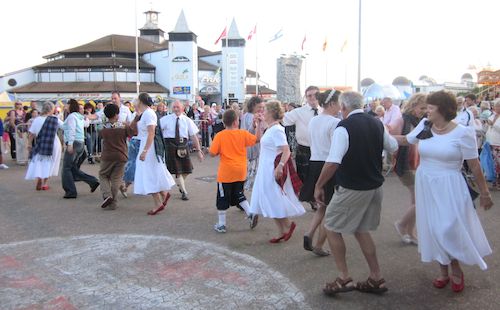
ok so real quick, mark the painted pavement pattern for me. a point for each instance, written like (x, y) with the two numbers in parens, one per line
(137, 272)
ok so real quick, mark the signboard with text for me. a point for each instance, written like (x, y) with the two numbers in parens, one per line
(181, 90)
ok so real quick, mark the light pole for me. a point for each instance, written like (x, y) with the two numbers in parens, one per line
(359, 47)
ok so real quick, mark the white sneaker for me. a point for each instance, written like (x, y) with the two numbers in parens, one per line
(220, 228)
(4, 166)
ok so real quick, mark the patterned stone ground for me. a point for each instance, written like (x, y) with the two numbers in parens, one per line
(137, 272)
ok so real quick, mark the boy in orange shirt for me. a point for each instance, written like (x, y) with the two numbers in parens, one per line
(231, 145)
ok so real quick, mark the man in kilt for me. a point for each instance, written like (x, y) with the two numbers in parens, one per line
(177, 129)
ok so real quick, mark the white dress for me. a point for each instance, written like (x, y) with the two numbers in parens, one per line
(447, 223)
(151, 175)
(268, 198)
(43, 166)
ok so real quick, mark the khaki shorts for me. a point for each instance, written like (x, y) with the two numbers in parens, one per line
(352, 211)
(408, 178)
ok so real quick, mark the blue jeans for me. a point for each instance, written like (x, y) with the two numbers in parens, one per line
(133, 150)
(71, 172)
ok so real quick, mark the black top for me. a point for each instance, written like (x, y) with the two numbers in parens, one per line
(361, 167)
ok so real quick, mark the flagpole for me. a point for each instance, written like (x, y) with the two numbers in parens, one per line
(137, 80)
(256, 62)
(359, 47)
(226, 97)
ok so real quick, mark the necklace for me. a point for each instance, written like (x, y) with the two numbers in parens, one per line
(441, 130)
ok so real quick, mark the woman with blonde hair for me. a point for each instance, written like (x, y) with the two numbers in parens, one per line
(406, 164)
(275, 191)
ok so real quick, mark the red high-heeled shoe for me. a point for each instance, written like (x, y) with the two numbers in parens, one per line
(157, 210)
(166, 200)
(278, 239)
(441, 283)
(289, 234)
(458, 287)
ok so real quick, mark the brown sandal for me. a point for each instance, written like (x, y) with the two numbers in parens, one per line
(372, 286)
(338, 286)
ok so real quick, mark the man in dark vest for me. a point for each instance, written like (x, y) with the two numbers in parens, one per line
(356, 160)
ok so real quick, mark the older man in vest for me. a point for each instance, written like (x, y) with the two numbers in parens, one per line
(356, 161)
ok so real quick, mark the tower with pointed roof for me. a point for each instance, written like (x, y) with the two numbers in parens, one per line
(233, 66)
(183, 61)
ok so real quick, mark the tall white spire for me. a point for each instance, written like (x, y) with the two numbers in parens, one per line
(233, 31)
(181, 26)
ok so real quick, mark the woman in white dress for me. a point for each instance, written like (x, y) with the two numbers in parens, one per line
(151, 174)
(449, 230)
(46, 153)
(269, 199)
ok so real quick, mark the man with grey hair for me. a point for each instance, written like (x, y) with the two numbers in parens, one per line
(464, 115)
(355, 159)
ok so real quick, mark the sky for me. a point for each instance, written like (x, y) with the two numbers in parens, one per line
(437, 38)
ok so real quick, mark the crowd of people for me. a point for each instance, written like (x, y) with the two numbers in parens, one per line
(432, 143)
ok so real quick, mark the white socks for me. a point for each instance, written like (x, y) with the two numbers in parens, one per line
(246, 206)
(222, 218)
(181, 184)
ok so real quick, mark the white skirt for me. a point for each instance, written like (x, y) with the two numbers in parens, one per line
(151, 175)
(447, 223)
(44, 167)
(269, 199)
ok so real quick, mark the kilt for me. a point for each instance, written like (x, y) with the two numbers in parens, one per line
(307, 190)
(175, 164)
(302, 161)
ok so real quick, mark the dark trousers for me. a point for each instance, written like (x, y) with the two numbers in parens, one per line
(302, 161)
(205, 138)
(12, 137)
(71, 172)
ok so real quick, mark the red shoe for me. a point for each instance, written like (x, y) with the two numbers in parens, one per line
(45, 188)
(289, 234)
(458, 287)
(277, 240)
(166, 200)
(157, 210)
(441, 283)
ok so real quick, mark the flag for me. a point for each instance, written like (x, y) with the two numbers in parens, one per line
(344, 45)
(303, 42)
(222, 35)
(324, 45)
(278, 35)
(252, 32)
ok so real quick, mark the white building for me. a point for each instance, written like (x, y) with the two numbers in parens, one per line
(175, 68)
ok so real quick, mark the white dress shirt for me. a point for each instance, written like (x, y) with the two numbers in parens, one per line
(340, 142)
(187, 127)
(300, 117)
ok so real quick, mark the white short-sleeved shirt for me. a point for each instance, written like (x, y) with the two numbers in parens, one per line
(148, 118)
(124, 114)
(465, 118)
(340, 143)
(37, 124)
(321, 130)
(300, 117)
(187, 127)
(449, 149)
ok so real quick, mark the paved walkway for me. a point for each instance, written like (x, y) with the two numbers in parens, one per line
(60, 254)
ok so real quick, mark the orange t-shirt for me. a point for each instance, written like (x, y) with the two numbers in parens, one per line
(231, 145)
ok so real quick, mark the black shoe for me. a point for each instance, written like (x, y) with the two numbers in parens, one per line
(108, 201)
(184, 196)
(69, 196)
(308, 243)
(91, 161)
(94, 187)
